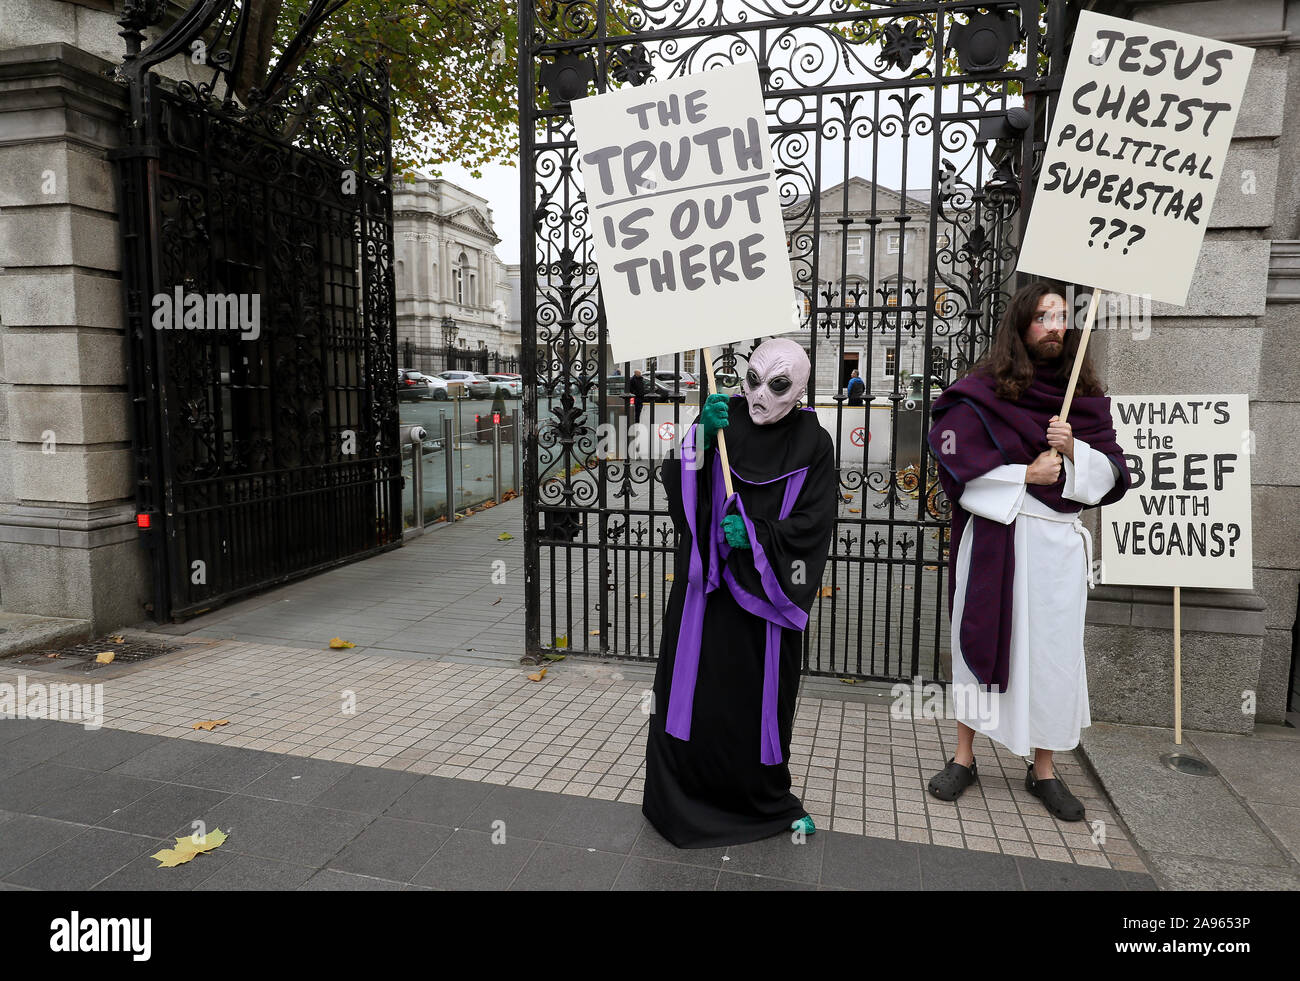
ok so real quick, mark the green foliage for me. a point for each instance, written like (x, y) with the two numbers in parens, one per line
(453, 68)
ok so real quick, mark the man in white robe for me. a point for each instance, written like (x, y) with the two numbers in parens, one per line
(1018, 666)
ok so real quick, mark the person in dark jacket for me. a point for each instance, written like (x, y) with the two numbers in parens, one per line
(857, 387)
(637, 388)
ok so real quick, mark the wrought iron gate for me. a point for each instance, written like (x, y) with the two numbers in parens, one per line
(258, 286)
(926, 90)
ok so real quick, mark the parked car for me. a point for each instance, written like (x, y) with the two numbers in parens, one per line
(476, 386)
(675, 382)
(513, 384)
(437, 387)
(411, 386)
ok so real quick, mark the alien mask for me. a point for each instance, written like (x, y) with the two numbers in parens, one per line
(777, 377)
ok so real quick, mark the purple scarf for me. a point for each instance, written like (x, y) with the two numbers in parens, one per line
(982, 432)
(775, 607)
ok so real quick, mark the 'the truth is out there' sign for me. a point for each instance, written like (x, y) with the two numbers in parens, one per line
(683, 212)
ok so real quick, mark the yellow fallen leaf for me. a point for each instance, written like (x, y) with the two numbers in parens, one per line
(187, 848)
(668, 577)
(206, 843)
(537, 675)
(642, 595)
(118, 639)
(825, 591)
(339, 645)
(210, 725)
(595, 632)
(553, 657)
(169, 858)
(105, 657)
(848, 681)
(855, 510)
(561, 641)
(505, 536)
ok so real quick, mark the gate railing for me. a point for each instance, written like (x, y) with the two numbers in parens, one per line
(266, 448)
(889, 265)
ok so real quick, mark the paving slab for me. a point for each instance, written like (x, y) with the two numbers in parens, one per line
(1199, 832)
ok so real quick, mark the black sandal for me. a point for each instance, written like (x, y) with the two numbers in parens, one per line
(1055, 796)
(953, 779)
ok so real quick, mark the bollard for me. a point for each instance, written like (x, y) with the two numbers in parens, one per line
(449, 458)
(496, 457)
(515, 439)
(417, 484)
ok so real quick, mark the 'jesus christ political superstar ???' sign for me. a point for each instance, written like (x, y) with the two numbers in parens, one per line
(1134, 157)
(683, 212)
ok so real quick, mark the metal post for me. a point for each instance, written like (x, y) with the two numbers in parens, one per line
(496, 457)
(515, 440)
(450, 462)
(417, 482)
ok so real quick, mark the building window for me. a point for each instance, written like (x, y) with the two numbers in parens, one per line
(855, 244)
(459, 275)
(891, 243)
(890, 362)
(473, 290)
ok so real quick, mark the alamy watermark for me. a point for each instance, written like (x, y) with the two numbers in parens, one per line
(56, 701)
(965, 702)
(179, 310)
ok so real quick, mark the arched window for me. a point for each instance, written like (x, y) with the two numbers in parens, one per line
(459, 275)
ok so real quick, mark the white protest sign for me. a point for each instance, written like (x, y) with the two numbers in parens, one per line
(683, 213)
(1186, 519)
(1133, 161)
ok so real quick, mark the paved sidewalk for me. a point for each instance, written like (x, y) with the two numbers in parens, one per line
(1237, 829)
(85, 810)
(581, 732)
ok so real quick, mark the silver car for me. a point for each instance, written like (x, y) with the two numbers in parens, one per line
(476, 386)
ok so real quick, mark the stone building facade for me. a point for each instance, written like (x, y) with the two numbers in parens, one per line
(881, 261)
(447, 267)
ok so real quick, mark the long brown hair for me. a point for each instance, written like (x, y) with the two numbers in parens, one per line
(1007, 360)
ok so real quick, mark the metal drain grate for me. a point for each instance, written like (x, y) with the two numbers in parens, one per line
(81, 658)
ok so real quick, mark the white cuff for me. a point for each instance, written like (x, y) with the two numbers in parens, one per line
(998, 494)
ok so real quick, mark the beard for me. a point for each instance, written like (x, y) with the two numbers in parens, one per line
(1047, 352)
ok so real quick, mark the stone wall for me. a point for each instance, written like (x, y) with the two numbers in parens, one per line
(1236, 333)
(68, 542)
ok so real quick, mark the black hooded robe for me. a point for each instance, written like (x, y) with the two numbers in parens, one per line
(714, 788)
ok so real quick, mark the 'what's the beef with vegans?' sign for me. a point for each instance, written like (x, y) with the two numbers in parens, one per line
(683, 212)
(1134, 157)
(1186, 520)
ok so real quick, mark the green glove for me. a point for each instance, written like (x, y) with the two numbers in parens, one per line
(733, 526)
(713, 417)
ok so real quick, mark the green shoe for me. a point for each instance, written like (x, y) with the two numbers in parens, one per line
(804, 824)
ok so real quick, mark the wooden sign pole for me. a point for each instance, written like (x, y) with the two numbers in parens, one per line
(1178, 670)
(1078, 357)
(707, 354)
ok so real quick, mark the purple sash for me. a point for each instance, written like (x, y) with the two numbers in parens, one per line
(774, 607)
